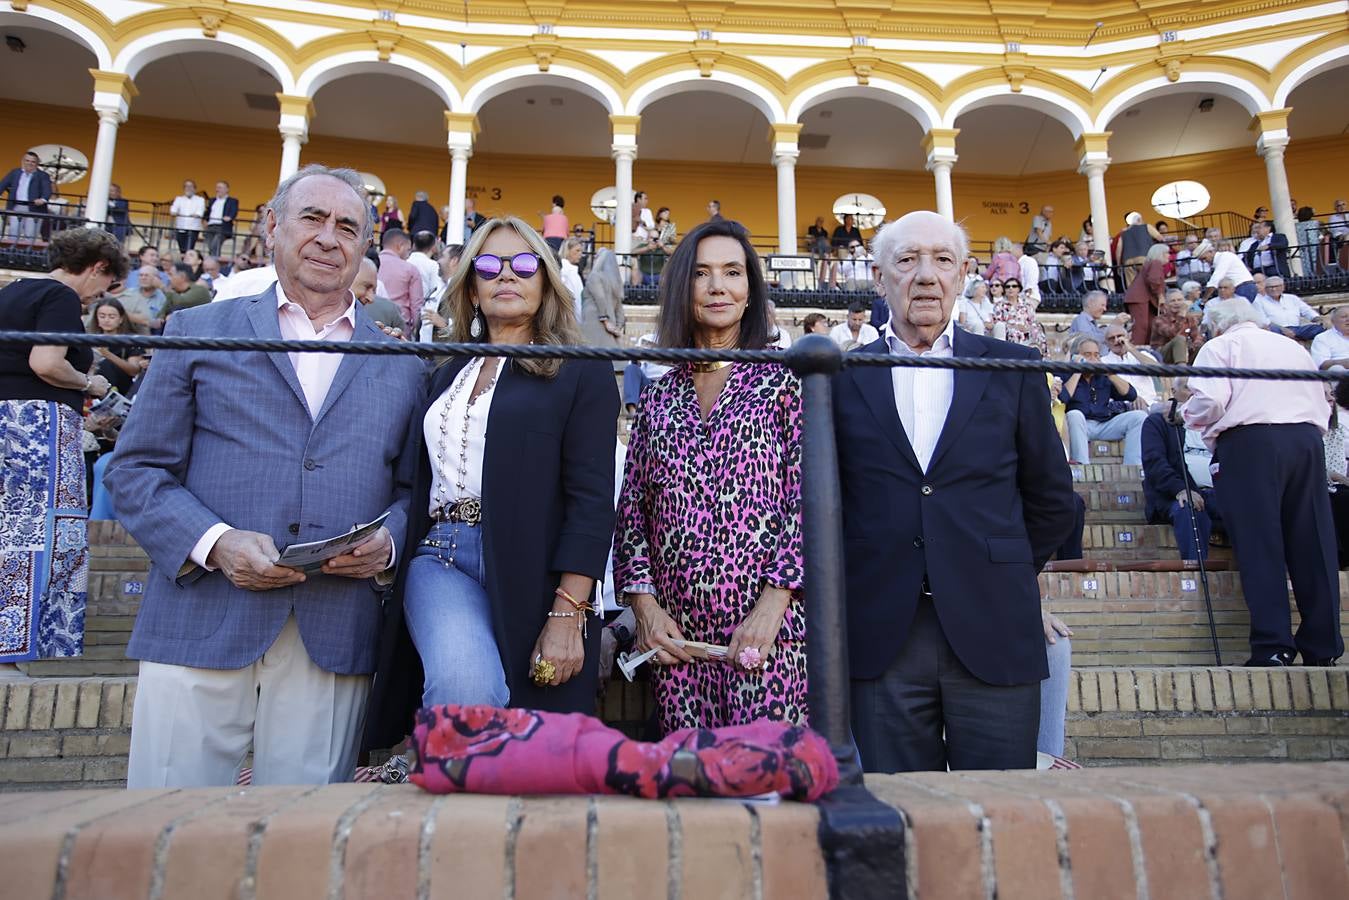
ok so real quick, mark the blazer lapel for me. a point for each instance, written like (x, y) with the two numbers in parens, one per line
(351, 362)
(262, 315)
(969, 387)
(878, 390)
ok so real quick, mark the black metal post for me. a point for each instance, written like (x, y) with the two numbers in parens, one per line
(862, 838)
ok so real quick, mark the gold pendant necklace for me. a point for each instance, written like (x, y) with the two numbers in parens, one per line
(705, 367)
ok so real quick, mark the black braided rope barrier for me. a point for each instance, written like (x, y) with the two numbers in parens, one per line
(805, 354)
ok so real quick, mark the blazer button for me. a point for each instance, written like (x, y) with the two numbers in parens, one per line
(926, 490)
(293, 527)
(918, 542)
(310, 465)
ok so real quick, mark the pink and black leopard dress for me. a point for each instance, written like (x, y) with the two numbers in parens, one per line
(709, 513)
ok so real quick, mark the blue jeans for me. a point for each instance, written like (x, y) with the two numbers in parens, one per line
(1185, 529)
(634, 379)
(1054, 696)
(449, 616)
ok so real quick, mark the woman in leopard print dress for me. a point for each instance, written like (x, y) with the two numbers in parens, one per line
(709, 521)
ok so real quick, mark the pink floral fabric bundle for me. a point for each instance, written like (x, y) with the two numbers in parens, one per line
(487, 750)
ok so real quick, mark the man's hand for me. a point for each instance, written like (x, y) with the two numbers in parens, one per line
(1198, 500)
(1054, 627)
(248, 560)
(364, 561)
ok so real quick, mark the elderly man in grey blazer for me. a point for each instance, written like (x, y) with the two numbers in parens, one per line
(230, 455)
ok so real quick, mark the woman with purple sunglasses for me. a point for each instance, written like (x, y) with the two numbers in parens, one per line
(512, 504)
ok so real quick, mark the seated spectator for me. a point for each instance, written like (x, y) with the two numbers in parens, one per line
(381, 309)
(815, 323)
(974, 310)
(120, 366)
(1081, 274)
(1088, 321)
(1003, 265)
(1173, 454)
(636, 376)
(1056, 275)
(1014, 318)
(184, 292)
(856, 268)
(1330, 348)
(1119, 349)
(1194, 295)
(1268, 253)
(146, 256)
(150, 288)
(1286, 313)
(1226, 265)
(210, 272)
(1189, 266)
(1176, 333)
(1099, 408)
(855, 332)
(1337, 471)
(778, 337)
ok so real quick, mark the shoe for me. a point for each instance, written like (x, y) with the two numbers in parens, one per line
(1278, 658)
(1327, 663)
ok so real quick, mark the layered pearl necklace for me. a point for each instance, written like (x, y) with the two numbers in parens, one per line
(468, 377)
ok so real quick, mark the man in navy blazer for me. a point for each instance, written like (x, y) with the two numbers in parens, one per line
(955, 494)
(1268, 253)
(230, 455)
(220, 215)
(29, 188)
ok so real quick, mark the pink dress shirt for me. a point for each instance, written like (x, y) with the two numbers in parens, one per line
(404, 283)
(1222, 403)
(314, 371)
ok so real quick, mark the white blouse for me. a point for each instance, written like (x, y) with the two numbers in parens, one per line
(448, 450)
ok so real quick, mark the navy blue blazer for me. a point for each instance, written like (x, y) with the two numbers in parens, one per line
(40, 187)
(1278, 248)
(995, 504)
(230, 213)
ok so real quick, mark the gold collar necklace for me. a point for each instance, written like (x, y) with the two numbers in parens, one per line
(703, 368)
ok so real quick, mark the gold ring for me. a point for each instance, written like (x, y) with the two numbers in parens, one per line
(543, 672)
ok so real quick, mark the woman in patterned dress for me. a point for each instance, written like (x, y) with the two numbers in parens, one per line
(1016, 313)
(708, 546)
(44, 553)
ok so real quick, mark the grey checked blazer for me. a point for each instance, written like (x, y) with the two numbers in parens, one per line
(227, 437)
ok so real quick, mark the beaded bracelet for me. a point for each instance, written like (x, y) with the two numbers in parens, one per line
(571, 614)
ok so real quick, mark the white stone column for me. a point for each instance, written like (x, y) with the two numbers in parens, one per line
(786, 150)
(940, 146)
(294, 128)
(1094, 160)
(113, 92)
(624, 152)
(1271, 145)
(462, 130)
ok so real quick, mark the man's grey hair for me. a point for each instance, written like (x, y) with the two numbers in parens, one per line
(1077, 341)
(422, 195)
(883, 245)
(280, 202)
(1227, 282)
(1175, 292)
(1339, 311)
(1224, 314)
(1092, 295)
(1273, 279)
(1191, 286)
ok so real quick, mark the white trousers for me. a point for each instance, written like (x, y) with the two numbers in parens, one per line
(193, 727)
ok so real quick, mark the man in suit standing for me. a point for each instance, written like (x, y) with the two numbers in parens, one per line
(29, 189)
(422, 216)
(220, 217)
(230, 455)
(955, 494)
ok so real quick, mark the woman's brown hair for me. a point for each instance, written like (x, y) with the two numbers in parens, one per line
(555, 322)
(123, 327)
(76, 249)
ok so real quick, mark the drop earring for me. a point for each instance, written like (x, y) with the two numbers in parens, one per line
(475, 327)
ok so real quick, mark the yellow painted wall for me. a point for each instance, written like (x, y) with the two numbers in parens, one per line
(155, 155)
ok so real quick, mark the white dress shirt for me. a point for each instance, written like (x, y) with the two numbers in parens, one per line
(841, 334)
(1328, 345)
(245, 283)
(571, 277)
(314, 371)
(429, 269)
(1227, 264)
(187, 212)
(1143, 384)
(445, 473)
(21, 192)
(923, 396)
(217, 216)
(1288, 312)
(1030, 277)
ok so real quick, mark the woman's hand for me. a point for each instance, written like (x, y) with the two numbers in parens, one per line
(760, 628)
(435, 318)
(560, 643)
(98, 386)
(655, 629)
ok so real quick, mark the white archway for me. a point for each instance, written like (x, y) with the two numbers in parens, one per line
(507, 80)
(367, 62)
(52, 21)
(136, 55)
(1056, 106)
(729, 83)
(892, 92)
(1333, 58)
(1243, 92)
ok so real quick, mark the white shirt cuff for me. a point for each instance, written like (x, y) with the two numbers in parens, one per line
(202, 549)
(385, 578)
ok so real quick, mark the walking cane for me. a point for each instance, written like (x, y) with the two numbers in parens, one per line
(1179, 431)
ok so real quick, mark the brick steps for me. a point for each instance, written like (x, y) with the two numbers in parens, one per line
(1133, 541)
